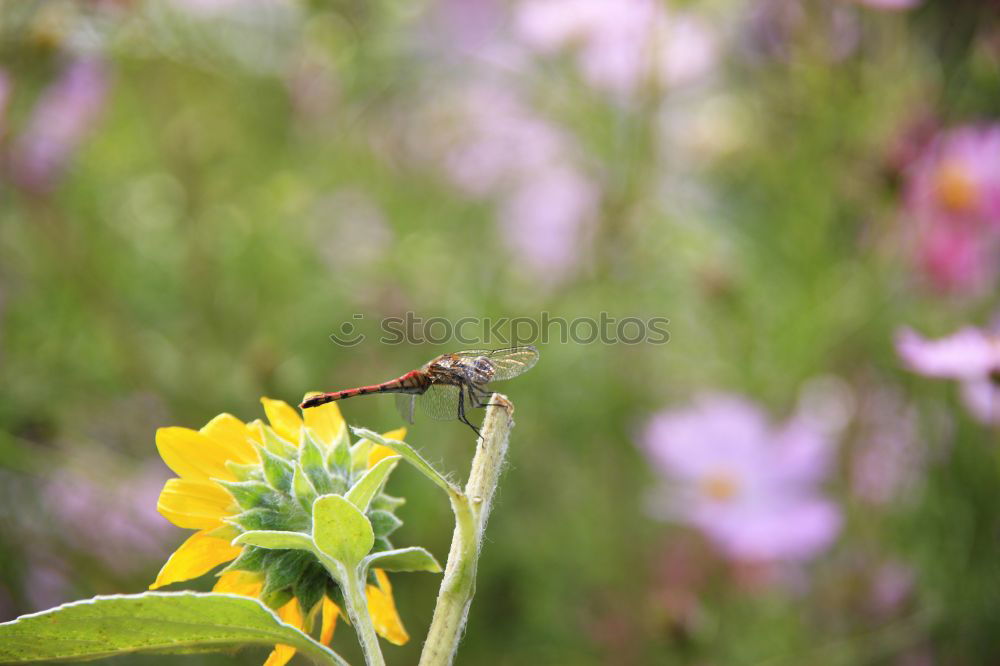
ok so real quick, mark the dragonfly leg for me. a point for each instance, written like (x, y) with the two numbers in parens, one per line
(461, 411)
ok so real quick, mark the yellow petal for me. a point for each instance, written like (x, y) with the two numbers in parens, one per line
(291, 614)
(243, 583)
(378, 451)
(325, 421)
(192, 455)
(280, 655)
(330, 613)
(285, 421)
(195, 504)
(397, 434)
(382, 608)
(231, 434)
(195, 557)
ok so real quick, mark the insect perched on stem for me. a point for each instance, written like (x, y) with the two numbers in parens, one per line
(446, 386)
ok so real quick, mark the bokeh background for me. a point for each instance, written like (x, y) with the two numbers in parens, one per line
(197, 193)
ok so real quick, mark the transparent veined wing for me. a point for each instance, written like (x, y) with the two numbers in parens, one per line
(405, 403)
(440, 402)
(507, 363)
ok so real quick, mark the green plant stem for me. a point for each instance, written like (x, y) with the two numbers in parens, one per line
(471, 509)
(357, 608)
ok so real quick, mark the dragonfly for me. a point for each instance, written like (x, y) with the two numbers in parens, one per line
(447, 386)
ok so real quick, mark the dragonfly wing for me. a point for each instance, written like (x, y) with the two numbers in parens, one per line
(507, 363)
(439, 402)
(405, 403)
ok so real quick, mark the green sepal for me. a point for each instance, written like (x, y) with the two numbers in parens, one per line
(277, 444)
(387, 502)
(368, 486)
(275, 599)
(310, 586)
(243, 472)
(250, 494)
(338, 485)
(277, 470)
(382, 543)
(259, 519)
(402, 559)
(303, 489)
(383, 523)
(283, 568)
(311, 459)
(252, 560)
(309, 436)
(275, 540)
(341, 531)
(338, 457)
(338, 460)
(359, 454)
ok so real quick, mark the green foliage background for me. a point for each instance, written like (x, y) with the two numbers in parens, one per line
(188, 262)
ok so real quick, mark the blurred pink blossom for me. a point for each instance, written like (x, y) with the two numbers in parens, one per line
(545, 221)
(970, 356)
(749, 486)
(953, 200)
(620, 46)
(891, 5)
(494, 140)
(5, 90)
(493, 146)
(131, 535)
(892, 586)
(61, 119)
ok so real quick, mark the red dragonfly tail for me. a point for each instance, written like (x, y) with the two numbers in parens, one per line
(408, 383)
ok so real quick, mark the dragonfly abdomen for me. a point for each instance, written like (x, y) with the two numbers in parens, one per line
(411, 382)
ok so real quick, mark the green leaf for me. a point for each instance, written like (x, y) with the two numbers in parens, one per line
(411, 456)
(368, 486)
(161, 622)
(402, 559)
(275, 540)
(341, 531)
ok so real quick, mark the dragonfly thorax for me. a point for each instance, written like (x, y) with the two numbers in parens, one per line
(481, 370)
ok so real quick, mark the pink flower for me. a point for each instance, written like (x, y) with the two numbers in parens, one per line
(493, 146)
(620, 45)
(890, 5)
(64, 115)
(750, 487)
(953, 200)
(958, 177)
(545, 221)
(971, 356)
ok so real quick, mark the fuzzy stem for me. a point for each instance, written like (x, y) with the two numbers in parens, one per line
(471, 509)
(357, 608)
